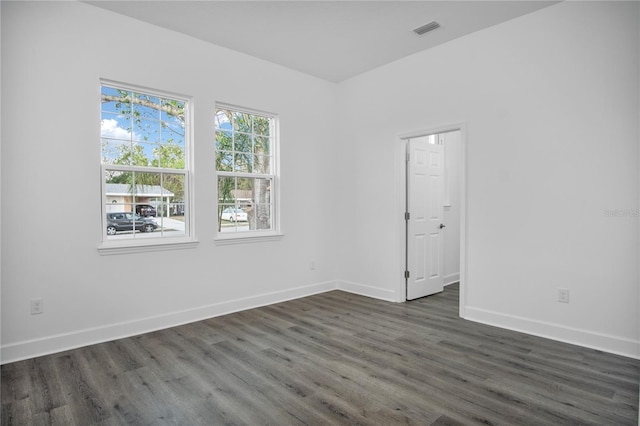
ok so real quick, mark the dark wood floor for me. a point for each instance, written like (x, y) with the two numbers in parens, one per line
(329, 359)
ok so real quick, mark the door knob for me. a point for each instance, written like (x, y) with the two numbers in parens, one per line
(442, 225)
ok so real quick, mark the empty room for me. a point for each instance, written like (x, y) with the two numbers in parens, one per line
(320, 212)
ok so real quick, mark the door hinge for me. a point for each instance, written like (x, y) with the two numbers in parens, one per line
(406, 274)
(408, 157)
(407, 216)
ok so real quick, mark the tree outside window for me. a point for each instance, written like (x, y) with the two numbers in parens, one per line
(245, 170)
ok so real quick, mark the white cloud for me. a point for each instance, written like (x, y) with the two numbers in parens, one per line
(109, 129)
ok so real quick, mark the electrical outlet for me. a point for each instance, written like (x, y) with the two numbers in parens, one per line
(563, 295)
(37, 306)
(312, 265)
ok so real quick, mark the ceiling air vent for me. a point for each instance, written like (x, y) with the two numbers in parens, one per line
(426, 28)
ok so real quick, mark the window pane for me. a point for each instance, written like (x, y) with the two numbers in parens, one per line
(262, 145)
(170, 156)
(115, 127)
(118, 182)
(242, 122)
(126, 225)
(226, 188)
(224, 140)
(173, 111)
(146, 130)
(147, 184)
(143, 206)
(261, 125)
(171, 220)
(262, 197)
(262, 191)
(231, 218)
(111, 150)
(152, 151)
(116, 101)
(262, 164)
(263, 216)
(173, 187)
(224, 161)
(243, 163)
(172, 133)
(127, 154)
(242, 143)
(115, 204)
(145, 107)
(244, 189)
(177, 210)
(222, 120)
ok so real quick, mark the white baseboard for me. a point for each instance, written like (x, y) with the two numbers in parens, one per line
(365, 290)
(603, 342)
(75, 339)
(451, 278)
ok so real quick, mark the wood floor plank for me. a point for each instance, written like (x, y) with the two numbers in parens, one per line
(329, 359)
(81, 392)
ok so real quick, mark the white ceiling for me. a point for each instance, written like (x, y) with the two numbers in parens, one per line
(333, 40)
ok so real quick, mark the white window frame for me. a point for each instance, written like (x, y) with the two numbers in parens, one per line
(133, 245)
(274, 234)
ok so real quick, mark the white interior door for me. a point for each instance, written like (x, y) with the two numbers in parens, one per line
(425, 188)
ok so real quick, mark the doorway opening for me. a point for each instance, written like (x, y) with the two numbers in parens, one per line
(433, 177)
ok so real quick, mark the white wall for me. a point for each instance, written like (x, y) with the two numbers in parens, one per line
(550, 106)
(53, 55)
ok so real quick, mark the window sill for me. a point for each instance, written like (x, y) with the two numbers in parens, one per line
(127, 247)
(244, 238)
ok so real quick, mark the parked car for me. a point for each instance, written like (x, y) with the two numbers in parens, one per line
(146, 210)
(234, 215)
(122, 221)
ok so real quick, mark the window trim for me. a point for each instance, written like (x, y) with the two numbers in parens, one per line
(274, 234)
(135, 245)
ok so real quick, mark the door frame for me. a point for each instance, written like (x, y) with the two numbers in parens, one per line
(401, 166)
